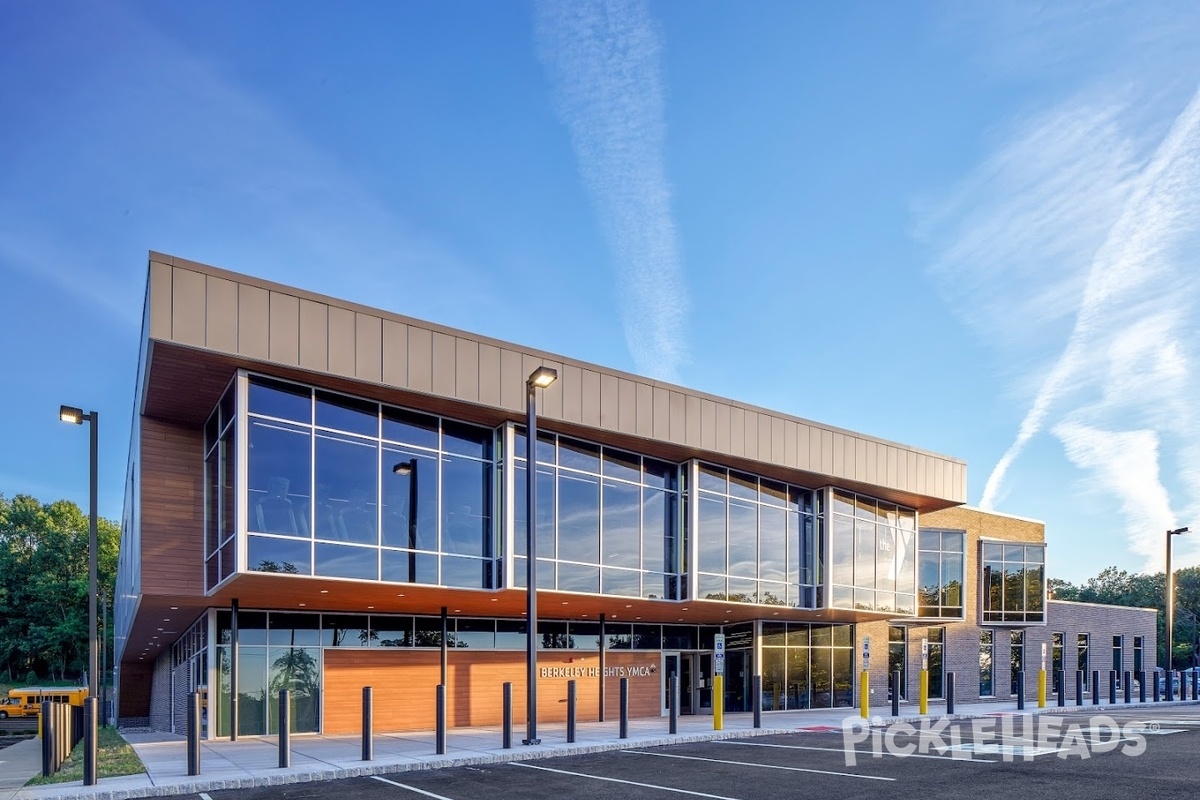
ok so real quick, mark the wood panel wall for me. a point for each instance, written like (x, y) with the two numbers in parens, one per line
(172, 475)
(404, 687)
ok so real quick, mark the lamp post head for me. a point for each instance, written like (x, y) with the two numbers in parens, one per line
(543, 377)
(71, 414)
(405, 467)
(1177, 531)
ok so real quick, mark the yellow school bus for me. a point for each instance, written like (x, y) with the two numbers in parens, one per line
(27, 701)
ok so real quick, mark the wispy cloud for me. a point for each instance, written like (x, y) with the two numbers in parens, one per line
(1076, 230)
(604, 61)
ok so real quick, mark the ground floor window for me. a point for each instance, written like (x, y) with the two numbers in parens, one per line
(1118, 657)
(937, 663)
(263, 672)
(1082, 646)
(987, 647)
(1016, 657)
(1057, 660)
(898, 660)
(1137, 654)
(804, 666)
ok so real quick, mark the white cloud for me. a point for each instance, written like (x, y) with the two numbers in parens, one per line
(604, 61)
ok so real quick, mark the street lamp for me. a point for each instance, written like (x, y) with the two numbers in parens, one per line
(1171, 597)
(540, 378)
(76, 416)
(409, 469)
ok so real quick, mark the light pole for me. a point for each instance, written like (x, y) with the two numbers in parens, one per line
(409, 468)
(77, 417)
(1171, 597)
(540, 378)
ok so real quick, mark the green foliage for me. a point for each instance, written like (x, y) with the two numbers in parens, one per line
(114, 758)
(44, 586)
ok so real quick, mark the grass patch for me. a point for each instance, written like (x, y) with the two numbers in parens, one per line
(114, 758)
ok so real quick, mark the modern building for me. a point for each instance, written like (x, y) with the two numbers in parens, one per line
(323, 496)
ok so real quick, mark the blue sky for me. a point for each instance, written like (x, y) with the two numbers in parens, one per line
(968, 227)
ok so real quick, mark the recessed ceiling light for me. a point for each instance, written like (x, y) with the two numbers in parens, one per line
(399, 595)
(681, 619)
(302, 605)
(494, 599)
(637, 617)
(685, 608)
(160, 629)
(324, 591)
(368, 607)
(457, 610)
(174, 608)
(167, 619)
(629, 605)
(565, 602)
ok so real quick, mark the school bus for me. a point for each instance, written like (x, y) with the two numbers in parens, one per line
(27, 701)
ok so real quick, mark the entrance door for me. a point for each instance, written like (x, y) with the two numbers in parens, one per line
(683, 665)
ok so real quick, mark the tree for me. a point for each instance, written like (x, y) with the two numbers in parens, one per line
(44, 585)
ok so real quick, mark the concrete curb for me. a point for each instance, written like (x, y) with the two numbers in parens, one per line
(60, 791)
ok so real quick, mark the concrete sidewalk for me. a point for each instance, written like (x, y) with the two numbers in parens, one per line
(18, 763)
(254, 761)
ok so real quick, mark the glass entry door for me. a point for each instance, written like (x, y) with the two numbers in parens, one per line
(683, 665)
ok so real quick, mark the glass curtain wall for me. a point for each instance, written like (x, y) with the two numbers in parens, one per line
(1014, 581)
(940, 573)
(346, 488)
(873, 555)
(758, 540)
(220, 497)
(807, 666)
(607, 520)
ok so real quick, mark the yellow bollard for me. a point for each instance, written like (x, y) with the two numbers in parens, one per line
(1041, 688)
(718, 702)
(864, 693)
(924, 697)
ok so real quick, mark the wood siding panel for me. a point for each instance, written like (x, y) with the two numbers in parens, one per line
(172, 508)
(220, 310)
(405, 682)
(284, 343)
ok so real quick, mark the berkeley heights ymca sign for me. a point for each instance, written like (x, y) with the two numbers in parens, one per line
(640, 671)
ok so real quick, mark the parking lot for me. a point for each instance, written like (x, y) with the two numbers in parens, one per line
(1144, 753)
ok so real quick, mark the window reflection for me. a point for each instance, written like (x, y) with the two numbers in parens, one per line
(278, 475)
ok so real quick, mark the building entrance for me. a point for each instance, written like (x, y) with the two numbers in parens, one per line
(694, 669)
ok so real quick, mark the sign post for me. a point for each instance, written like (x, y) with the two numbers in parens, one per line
(718, 701)
(864, 680)
(923, 698)
(1042, 680)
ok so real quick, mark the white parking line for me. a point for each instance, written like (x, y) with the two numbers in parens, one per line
(860, 752)
(205, 796)
(411, 788)
(618, 780)
(761, 766)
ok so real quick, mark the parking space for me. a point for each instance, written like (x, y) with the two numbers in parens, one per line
(1054, 755)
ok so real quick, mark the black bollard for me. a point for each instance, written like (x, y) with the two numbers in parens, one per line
(896, 693)
(1183, 686)
(47, 730)
(1078, 687)
(1128, 688)
(570, 712)
(368, 725)
(1062, 688)
(1095, 687)
(1195, 684)
(506, 735)
(193, 734)
(1021, 690)
(949, 692)
(1141, 678)
(1112, 687)
(756, 688)
(285, 729)
(674, 701)
(624, 723)
(91, 717)
(1157, 696)
(1170, 676)
(441, 719)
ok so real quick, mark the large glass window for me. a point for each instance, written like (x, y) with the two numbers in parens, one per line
(940, 573)
(1083, 659)
(873, 555)
(937, 662)
(1056, 656)
(343, 487)
(606, 520)
(756, 539)
(1016, 656)
(1013, 577)
(898, 660)
(806, 666)
(220, 503)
